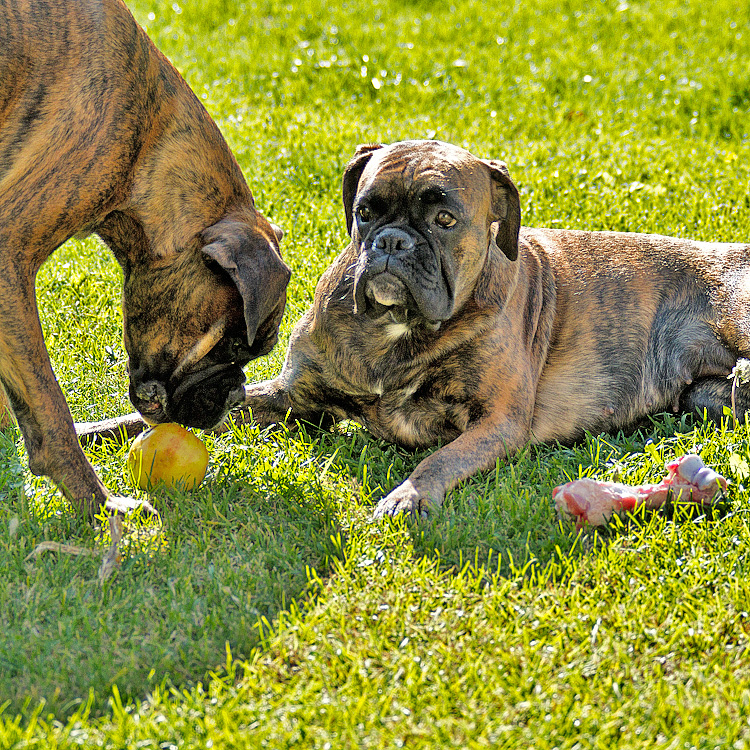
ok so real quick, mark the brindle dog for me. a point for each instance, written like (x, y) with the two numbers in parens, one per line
(446, 321)
(99, 133)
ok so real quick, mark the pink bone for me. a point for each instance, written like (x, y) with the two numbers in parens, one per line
(594, 502)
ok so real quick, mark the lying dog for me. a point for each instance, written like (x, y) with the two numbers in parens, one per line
(445, 321)
(99, 133)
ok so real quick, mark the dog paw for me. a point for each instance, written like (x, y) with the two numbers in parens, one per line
(406, 498)
(125, 506)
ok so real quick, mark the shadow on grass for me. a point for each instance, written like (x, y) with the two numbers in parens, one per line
(504, 520)
(276, 514)
(220, 566)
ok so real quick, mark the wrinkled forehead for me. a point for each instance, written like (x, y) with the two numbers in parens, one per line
(410, 167)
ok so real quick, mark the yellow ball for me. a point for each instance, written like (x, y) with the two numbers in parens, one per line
(169, 455)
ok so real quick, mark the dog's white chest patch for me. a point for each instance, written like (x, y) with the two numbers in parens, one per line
(404, 428)
(395, 331)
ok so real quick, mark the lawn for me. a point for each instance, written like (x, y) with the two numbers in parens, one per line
(264, 610)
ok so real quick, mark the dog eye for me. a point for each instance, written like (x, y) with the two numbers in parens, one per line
(364, 214)
(444, 219)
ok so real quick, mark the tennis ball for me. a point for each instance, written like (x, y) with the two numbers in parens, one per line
(167, 454)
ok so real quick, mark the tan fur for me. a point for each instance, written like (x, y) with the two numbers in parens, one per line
(99, 133)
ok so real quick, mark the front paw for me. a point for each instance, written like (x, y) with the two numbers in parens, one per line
(406, 498)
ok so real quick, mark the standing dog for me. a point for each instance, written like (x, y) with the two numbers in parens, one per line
(99, 133)
(445, 321)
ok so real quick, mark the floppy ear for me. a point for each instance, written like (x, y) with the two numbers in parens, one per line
(352, 173)
(506, 208)
(253, 262)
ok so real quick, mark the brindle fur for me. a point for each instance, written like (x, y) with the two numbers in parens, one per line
(551, 332)
(99, 133)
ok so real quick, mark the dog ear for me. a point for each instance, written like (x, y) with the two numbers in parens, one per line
(253, 262)
(506, 208)
(352, 173)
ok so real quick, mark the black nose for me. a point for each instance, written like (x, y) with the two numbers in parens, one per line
(150, 398)
(394, 241)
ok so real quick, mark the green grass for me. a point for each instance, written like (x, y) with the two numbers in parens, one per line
(265, 611)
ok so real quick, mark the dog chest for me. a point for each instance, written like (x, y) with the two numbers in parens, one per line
(416, 404)
(421, 416)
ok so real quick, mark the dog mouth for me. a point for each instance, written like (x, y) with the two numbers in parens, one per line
(410, 284)
(201, 389)
(201, 399)
(388, 298)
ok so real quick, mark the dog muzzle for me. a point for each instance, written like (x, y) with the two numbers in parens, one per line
(402, 275)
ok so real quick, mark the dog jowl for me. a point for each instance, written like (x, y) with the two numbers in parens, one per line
(100, 134)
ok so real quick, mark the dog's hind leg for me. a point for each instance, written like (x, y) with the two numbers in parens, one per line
(712, 396)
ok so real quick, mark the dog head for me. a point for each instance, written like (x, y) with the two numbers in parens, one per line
(422, 216)
(194, 318)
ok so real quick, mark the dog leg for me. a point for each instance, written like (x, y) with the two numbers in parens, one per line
(712, 395)
(475, 450)
(42, 412)
(119, 429)
(277, 401)
(266, 403)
